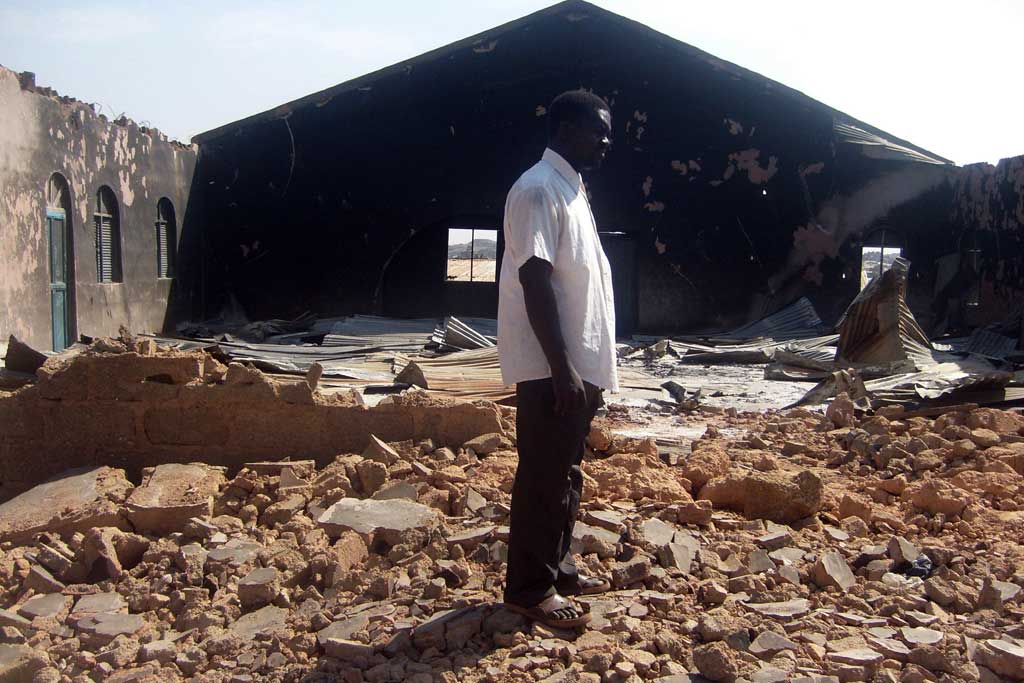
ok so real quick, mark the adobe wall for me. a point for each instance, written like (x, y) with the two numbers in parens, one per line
(42, 134)
(140, 408)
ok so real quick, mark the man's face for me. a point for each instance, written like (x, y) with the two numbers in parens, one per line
(592, 138)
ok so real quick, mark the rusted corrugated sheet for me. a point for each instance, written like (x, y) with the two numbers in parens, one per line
(878, 327)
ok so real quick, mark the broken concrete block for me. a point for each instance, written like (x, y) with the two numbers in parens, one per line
(831, 569)
(268, 619)
(259, 587)
(777, 496)
(20, 662)
(380, 452)
(76, 500)
(42, 606)
(634, 571)
(171, 494)
(1002, 657)
(102, 628)
(485, 444)
(385, 520)
(347, 650)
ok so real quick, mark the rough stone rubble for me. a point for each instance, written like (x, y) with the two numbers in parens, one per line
(780, 547)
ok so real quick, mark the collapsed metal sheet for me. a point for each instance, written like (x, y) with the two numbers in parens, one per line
(878, 327)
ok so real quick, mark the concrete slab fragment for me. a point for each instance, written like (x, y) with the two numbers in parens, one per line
(76, 500)
(171, 494)
(386, 520)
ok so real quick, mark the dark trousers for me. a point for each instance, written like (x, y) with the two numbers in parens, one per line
(546, 493)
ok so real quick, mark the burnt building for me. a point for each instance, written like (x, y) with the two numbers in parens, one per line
(726, 194)
(90, 210)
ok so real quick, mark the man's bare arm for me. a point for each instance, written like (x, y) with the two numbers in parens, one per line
(542, 311)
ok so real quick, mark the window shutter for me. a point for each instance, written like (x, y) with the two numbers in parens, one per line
(104, 250)
(162, 251)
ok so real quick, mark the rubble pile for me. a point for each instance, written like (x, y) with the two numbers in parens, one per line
(133, 403)
(792, 546)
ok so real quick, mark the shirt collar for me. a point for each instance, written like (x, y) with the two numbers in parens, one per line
(563, 167)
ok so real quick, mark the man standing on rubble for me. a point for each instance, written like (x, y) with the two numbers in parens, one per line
(556, 343)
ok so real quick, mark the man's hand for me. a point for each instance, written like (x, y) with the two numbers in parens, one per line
(570, 395)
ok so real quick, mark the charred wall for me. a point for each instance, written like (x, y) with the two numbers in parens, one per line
(45, 134)
(988, 244)
(732, 189)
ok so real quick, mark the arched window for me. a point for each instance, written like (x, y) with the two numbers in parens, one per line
(62, 261)
(166, 238)
(108, 237)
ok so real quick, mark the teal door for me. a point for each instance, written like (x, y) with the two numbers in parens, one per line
(56, 223)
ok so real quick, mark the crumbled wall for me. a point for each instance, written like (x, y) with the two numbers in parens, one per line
(42, 134)
(140, 408)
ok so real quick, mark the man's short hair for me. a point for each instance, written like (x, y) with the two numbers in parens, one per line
(573, 106)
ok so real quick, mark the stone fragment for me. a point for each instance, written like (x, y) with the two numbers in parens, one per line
(831, 569)
(380, 451)
(76, 500)
(171, 494)
(716, 662)
(920, 636)
(702, 466)
(606, 519)
(769, 644)
(778, 496)
(788, 609)
(163, 651)
(758, 562)
(841, 411)
(98, 603)
(676, 556)
(104, 627)
(42, 606)
(1002, 657)
(386, 520)
(347, 650)
(938, 497)
(11, 619)
(400, 490)
(853, 506)
(372, 475)
(344, 629)
(657, 533)
(485, 444)
(268, 619)
(588, 539)
(861, 656)
(20, 663)
(259, 587)
(775, 539)
(634, 571)
(902, 551)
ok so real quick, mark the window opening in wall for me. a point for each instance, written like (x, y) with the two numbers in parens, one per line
(472, 255)
(166, 238)
(876, 257)
(108, 237)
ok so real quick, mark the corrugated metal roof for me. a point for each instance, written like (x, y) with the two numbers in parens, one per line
(877, 147)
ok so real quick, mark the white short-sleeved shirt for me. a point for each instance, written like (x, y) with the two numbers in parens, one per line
(547, 215)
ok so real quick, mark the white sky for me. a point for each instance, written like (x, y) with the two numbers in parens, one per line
(944, 74)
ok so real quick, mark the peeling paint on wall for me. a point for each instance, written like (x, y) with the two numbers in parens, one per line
(43, 134)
